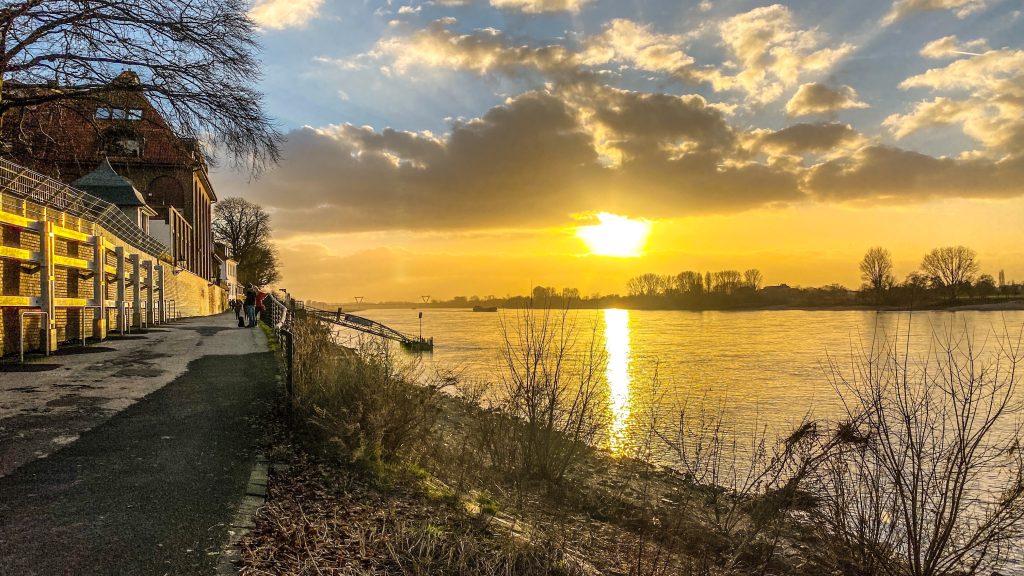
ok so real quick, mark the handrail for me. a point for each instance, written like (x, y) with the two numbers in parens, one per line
(372, 327)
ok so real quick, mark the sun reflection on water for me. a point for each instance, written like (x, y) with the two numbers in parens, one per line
(616, 344)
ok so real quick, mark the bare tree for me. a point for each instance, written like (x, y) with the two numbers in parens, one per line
(195, 61)
(245, 227)
(951, 267)
(646, 285)
(752, 481)
(752, 279)
(550, 404)
(876, 272)
(928, 479)
(689, 282)
(259, 266)
(726, 281)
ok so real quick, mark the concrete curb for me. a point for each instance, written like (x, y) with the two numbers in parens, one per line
(245, 518)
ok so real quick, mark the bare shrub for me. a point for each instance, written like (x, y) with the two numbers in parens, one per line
(748, 481)
(550, 405)
(926, 478)
(369, 405)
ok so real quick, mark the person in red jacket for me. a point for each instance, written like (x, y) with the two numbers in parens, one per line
(260, 296)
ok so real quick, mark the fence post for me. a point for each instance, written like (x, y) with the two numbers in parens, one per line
(47, 281)
(160, 288)
(136, 321)
(289, 355)
(99, 287)
(149, 285)
(121, 323)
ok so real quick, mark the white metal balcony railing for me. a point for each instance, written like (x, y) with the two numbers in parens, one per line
(20, 182)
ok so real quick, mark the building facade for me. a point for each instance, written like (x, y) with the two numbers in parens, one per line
(68, 140)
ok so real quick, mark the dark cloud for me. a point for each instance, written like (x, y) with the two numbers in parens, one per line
(533, 161)
(641, 119)
(545, 155)
(807, 138)
(520, 162)
(897, 175)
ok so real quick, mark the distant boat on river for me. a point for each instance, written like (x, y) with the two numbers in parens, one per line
(485, 308)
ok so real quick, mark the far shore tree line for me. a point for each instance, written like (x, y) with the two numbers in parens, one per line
(947, 276)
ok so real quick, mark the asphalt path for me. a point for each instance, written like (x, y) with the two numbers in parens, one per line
(152, 489)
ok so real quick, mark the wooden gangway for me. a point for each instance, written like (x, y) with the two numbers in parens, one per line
(365, 325)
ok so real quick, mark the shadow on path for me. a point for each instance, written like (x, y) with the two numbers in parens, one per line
(151, 490)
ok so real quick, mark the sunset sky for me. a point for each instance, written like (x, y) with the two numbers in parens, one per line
(454, 147)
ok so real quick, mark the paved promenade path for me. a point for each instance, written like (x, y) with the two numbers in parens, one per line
(131, 458)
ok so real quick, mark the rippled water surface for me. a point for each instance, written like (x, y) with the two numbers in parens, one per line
(765, 366)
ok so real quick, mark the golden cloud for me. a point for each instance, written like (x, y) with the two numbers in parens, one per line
(540, 6)
(986, 99)
(814, 98)
(770, 53)
(626, 41)
(904, 8)
(281, 14)
(951, 47)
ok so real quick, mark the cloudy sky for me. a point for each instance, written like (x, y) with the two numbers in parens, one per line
(455, 147)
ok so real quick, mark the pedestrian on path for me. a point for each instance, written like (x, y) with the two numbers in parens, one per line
(236, 307)
(250, 305)
(260, 296)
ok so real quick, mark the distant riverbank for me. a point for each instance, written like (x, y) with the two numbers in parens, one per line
(965, 305)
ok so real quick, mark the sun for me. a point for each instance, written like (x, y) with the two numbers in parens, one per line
(615, 236)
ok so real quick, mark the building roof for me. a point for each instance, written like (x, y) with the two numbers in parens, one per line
(106, 184)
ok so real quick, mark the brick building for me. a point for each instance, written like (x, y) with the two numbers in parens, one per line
(68, 140)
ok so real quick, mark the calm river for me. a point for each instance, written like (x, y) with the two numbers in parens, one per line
(764, 367)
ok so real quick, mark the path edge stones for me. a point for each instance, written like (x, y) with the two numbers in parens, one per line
(245, 517)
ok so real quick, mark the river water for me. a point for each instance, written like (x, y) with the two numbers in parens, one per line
(764, 370)
(762, 367)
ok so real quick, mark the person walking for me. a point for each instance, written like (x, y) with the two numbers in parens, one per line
(236, 307)
(250, 305)
(260, 296)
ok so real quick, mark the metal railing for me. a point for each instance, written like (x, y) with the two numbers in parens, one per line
(278, 316)
(82, 321)
(21, 331)
(170, 310)
(124, 323)
(20, 182)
